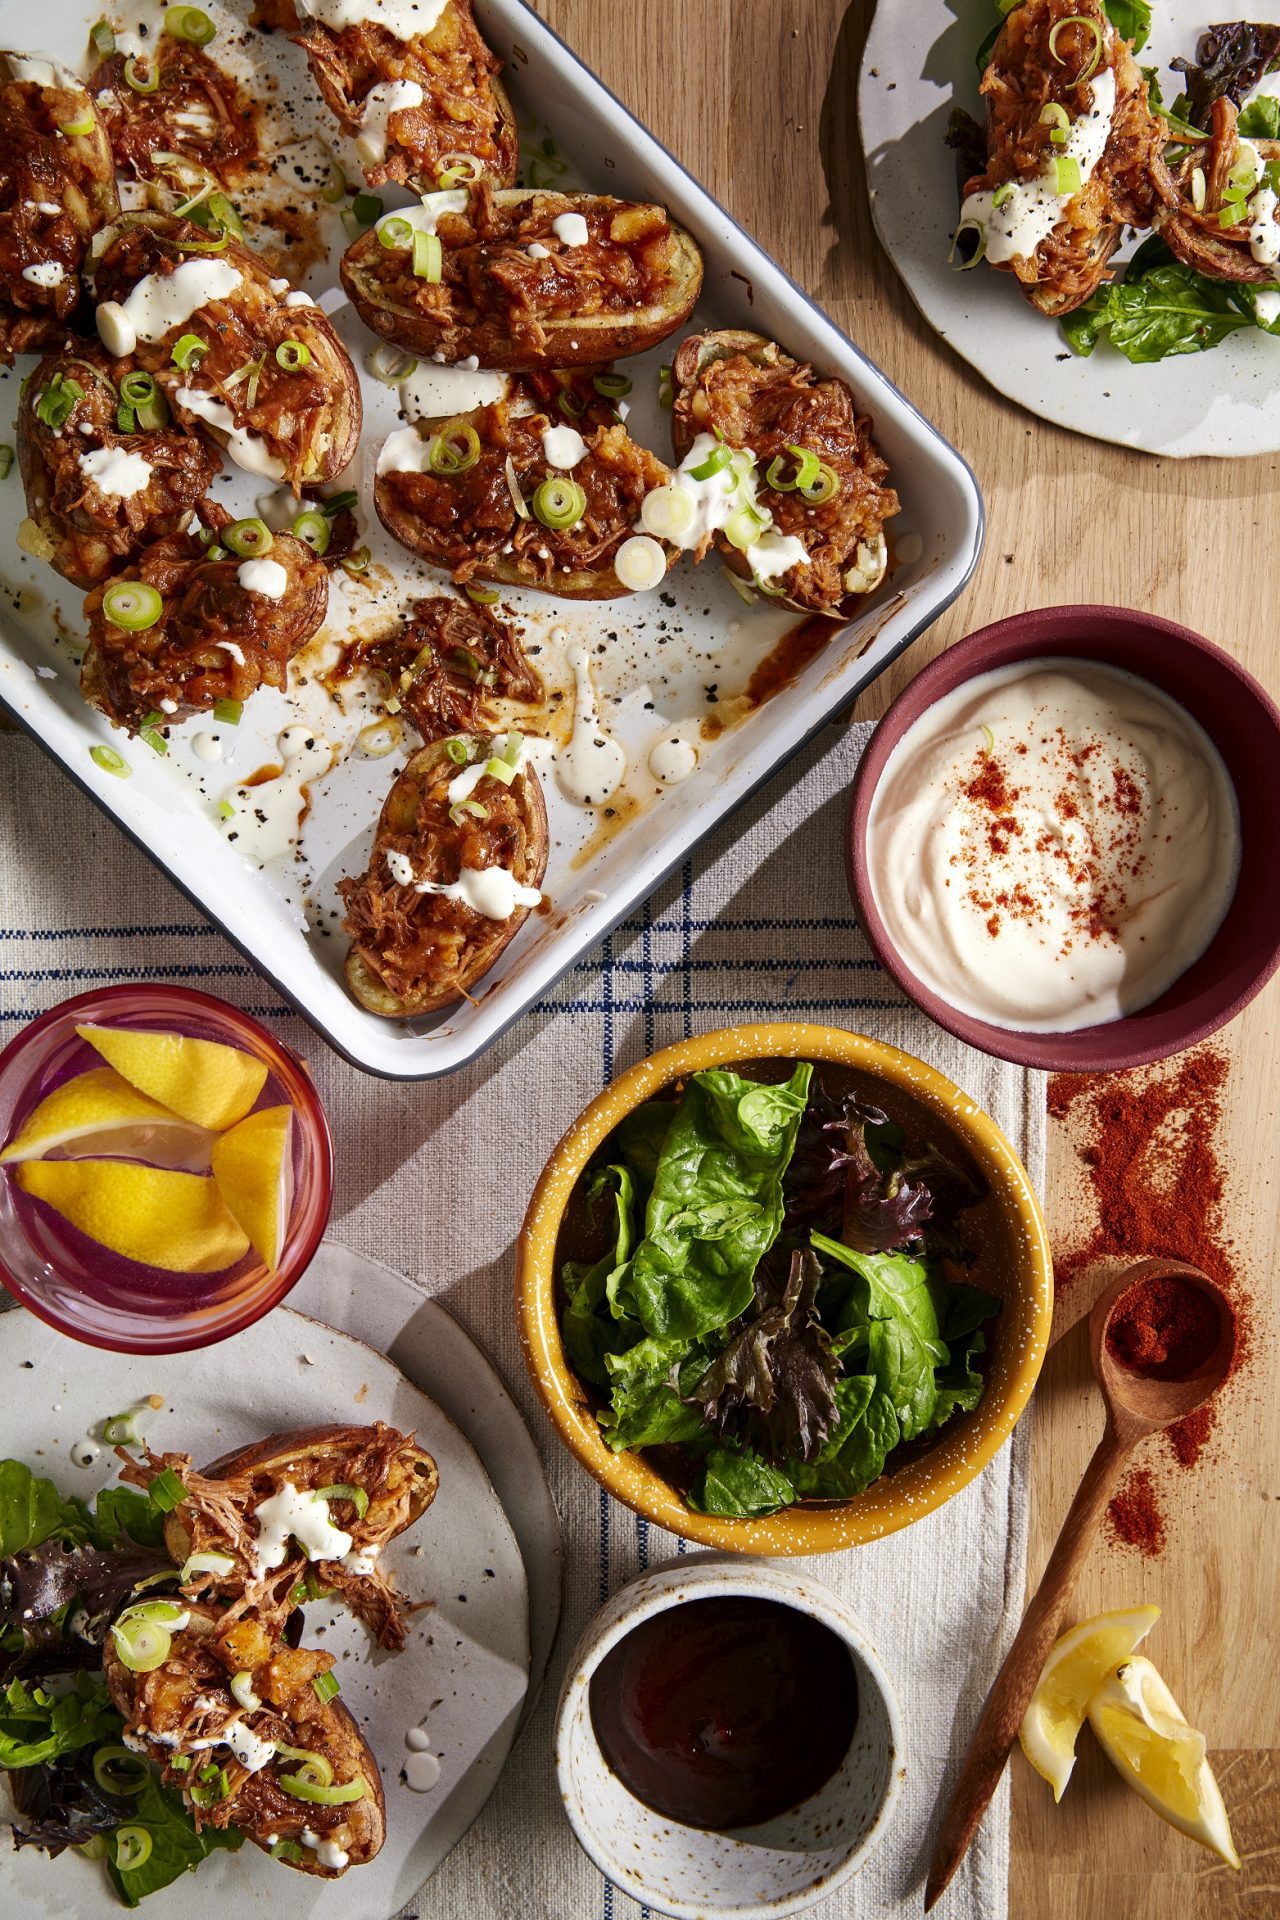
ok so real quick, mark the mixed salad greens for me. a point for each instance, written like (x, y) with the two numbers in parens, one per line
(776, 1293)
(1157, 307)
(65, 1569)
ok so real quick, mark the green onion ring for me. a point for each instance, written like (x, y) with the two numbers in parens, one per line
(110, 761)
(824, 486)
(132, 605)
(395, 232)
(979, 252)
(1058, 119)
(249, 539)
(190, 24)
(716, 461)
(118, 1771)
(131, 1848)
(1090, 26)
(313, 528)
(138, 387)
(428, 258)
(559, 503)
(133, 74)
(189, 351)
(342, 1490)
(458, 169)
(614, 386)
(293, 355)
(446, 456)
(482, 596)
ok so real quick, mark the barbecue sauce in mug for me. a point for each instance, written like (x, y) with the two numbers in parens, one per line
(725, 1712)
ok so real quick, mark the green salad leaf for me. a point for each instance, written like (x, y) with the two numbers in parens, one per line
(37, 1727)
(1160, 309)
(585, 1333)
(739, 1485)
(1260, 118)
(33, 1511)
(855, 1454)
(176, 1847)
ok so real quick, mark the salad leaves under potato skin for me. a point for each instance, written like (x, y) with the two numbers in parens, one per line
(783, 1370)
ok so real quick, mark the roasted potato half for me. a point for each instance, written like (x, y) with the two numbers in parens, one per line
(482, 496)
(813, 484)
(57, 189)
(195, 113)
(176, 631)
(99, 487)
(420, 107)
(184, 1709)
(458, 857)
(524, 278)
(240, 356)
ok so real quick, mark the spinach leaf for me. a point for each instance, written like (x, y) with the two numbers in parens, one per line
(641, 1136)
(176, 1847)
(716, 1205)
(890, 1316)
(37, 1727)
(1247, 298)
(740, 1485)
(33, 1511)
(1153, 316)
(855, 1454)
(586, 1331)
(652, 1382)
(1260, 118)
(125, 1513)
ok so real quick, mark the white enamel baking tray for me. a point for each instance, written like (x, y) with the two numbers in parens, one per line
(660, 661)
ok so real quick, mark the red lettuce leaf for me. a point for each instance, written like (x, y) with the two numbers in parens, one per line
(1230, 60)
(773, 1385)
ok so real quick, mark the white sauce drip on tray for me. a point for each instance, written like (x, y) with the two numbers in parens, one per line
(388, 97)
(406, 19)
(432, 392)
(264, 820)
(672, 760)
(249, 450)
(1028, 215)
(592, 765)
(303, 1517)
(115, 472)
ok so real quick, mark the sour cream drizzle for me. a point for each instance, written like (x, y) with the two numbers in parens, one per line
(687, 511)
(266, 577)
(406, 19)
(493, 892)
(162, 301)
(1030, 211)
(115, 472)
(432, 391)
(249, 450)
(388, 97)
(303, 1517)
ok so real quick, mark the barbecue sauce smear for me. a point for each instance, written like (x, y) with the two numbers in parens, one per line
(725, 1712)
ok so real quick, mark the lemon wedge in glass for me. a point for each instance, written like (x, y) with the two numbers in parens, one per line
(1143, 1732)
(98, 1112)
(209, 1084)
(165, 1219)
(253, 1167)
(1078, 1663)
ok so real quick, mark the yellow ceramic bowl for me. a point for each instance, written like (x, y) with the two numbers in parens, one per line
(1015, 1263)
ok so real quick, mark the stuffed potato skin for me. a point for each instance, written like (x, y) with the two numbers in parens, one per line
(414, 953)
(89, 526)
(454, 106)
(215, 638)
(56, 191)
(750, 394)
(530, 279)
(296, 423)
(469, 522)
(196, 111)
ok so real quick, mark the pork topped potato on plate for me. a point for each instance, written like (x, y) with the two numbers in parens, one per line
(105, 469)
(57, 189)
(416, 85)
(524, 278)
(779, 470)
(458, 857)
(238, 353)
(1226, 223)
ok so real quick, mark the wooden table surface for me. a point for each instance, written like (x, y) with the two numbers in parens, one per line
(757, 98)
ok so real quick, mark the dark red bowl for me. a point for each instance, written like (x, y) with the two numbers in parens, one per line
(1243, 723)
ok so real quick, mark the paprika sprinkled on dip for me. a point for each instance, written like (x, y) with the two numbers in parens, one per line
(1051, 845)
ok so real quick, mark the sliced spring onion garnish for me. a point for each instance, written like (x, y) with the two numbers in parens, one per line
(513, 748)
(640, 563)
(211, 1787)
(216, 552)
(189, 351)
(189, 23)
(215, 1563)
(571, 404)
(228, 711)
(225, 810)
(109, 760)
(1199, 188)
(300, 1788)
(1244, 174)
(56, 402)
(293, 355)
(186, 208)
(242, 1691)
(1055, 116)
(458, 814)
(142, 1646)
(77, 128)
(773, 588)
(1067, 176)
(338, 503)
(367, 208)
(131, 1848)
(395, 233)
(312, 527)
(458, 751)
(744, 527)
(156, 741)
(1003, 195)
(250, 539)
(390, 364)
(458, 170)
(1090, 27)
(138, 388)
(502, 770)
(455, 449)
(1231, 214)
(559, 503)
(483, 596)
(716, 461)
(980, 250)
(326, 1688)
(132, 604)
(210, 243)
(667, 512)
(102, 40)
(428, 258)
(335, 187)
(126, 419)
(125, 1429)
(614, 386)
(357, 562)
(167, 1491)
(225, 215)
(142, 75)
(824, 486)
(469, 664)
(513, 488)
(666, 387)
(6, 460)
(314, 1766)
(118, 1771)
(181, 1763)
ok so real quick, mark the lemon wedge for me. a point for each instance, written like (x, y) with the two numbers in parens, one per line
(164, 1219)
(1144, 1734)
(205, 1082)
(98, 1112)
(1077, 1665)
(253, 1167)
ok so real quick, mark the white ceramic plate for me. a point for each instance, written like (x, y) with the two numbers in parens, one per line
(462, 1677)
(661, 660)
(919, 63)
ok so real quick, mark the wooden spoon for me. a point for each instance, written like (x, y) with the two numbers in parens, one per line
(1136, 1406)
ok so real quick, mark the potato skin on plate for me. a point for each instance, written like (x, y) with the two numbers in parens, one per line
(413, 953)
(517, 294)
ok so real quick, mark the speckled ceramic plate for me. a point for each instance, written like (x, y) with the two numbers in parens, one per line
(919, 63)
(663, 662)
(463, 1676)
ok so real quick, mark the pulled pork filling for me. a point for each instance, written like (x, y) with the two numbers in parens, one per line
(421, 944)
(459, 112)
(504, 262)
(770, 408)
(1065, 56)
(448, 664)
(196, 110)
(92, 530)
(55, 192)
(1246, 248)
(465, 521)
(214, 639)
(301, 413)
